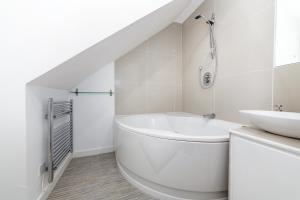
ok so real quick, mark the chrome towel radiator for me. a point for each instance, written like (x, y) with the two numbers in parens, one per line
(60, 133)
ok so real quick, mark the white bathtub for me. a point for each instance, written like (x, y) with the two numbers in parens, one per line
(174, 156)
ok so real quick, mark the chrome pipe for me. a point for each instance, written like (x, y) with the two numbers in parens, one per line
(60, 131)
(61, 102)
(59, 157)
(71, 125)
(209, 116)
(61, 137)
(50, 129)
(62, 126)
(60, 143)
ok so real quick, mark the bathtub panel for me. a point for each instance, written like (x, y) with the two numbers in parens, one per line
(191, 166)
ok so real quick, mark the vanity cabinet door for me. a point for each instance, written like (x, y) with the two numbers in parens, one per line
(261, 172)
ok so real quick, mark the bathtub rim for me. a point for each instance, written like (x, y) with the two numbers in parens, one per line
(169, 135)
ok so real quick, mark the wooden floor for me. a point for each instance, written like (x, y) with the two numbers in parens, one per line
(94, 178)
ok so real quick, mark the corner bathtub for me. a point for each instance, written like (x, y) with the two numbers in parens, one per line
(174, 155)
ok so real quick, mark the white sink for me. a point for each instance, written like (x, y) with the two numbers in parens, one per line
(281, 123)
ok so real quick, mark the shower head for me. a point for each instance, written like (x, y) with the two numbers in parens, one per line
(198, 17)
(210, 21)
(201, 16)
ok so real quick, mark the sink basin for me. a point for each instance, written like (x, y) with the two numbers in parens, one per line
(280, 123)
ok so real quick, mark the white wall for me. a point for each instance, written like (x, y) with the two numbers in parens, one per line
(287, 32)
(35, 37)
(94, 114)
(12, 143)
(37, 137)
(93, 119)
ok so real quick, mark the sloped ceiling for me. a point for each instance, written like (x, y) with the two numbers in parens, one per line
(71, 72)
(193, 5)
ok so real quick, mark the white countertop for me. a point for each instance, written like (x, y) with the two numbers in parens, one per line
(290, 145)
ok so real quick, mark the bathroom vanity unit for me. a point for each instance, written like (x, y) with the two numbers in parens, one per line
(263, 166)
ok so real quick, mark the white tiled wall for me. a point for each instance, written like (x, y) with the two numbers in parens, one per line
(287, 87)
(157, 76)
(149, 78)
(244, 33)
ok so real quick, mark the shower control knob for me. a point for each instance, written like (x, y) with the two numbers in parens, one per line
(207, 78)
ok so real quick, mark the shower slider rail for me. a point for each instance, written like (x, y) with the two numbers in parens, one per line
(110, 92)
(60, 133)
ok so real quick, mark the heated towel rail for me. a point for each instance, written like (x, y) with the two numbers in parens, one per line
(60, 133)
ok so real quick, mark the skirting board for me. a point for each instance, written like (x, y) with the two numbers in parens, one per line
(93, 152)
(58, 173)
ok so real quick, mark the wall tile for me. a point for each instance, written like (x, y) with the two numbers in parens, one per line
(161, 69)
(287, 87)
(133, 68)
(165, 42)
(246, 44)
(229, 12)
(197, 100)
(195, 31)
(161, 98)
(149, 78)
(251, 90)
(163, 73)
(244, 34)
(131, 99)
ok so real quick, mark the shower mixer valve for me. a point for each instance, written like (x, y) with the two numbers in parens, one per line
(207, 77)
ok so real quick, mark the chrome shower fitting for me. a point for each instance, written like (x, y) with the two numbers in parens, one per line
(207, 79)
(208, 21)
(209, 116)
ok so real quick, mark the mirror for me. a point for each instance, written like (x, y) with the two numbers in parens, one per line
(286, 72)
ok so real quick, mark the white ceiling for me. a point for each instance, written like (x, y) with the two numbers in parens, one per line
(193, 5)
(74, 70)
